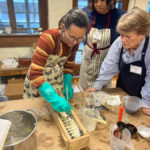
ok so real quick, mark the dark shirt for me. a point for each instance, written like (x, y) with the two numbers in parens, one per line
(101, 21)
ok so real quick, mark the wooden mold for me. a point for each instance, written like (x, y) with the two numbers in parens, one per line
(71, 143)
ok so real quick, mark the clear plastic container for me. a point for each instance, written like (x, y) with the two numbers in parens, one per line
(122, 143)
(132, 104)
(88, 119)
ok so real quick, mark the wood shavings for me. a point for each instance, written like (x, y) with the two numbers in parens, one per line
(113, 100)
(97, 98)
(93, 115)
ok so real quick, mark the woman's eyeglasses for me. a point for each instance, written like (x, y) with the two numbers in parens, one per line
(72, 39)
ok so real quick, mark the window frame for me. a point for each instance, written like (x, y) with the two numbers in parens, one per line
(25, 39)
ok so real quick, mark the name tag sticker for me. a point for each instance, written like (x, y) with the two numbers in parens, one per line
(136, 69)
(97, 35)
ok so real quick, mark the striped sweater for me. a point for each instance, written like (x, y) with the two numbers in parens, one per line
(46, 46)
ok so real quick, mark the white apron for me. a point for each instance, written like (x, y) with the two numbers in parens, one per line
(94, 52)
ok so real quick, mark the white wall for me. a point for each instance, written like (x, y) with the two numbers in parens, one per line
(139, 3)
(15, 52)
(56, 9)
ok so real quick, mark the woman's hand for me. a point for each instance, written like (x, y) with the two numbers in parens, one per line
(90, 89)
(146, 110)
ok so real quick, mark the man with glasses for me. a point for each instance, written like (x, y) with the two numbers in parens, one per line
(53, 60)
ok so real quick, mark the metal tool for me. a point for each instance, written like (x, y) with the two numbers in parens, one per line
(83, 93)
(101, 107)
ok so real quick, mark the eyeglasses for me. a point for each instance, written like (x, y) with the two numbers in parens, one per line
(72, 39)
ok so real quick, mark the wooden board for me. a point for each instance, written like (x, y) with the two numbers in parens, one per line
(4, 128)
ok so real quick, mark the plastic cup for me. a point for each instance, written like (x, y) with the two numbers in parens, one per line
(88, 122)
(132, 104)
(122, 143)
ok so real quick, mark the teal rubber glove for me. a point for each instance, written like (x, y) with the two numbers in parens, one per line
(67, 86)
(58, 103)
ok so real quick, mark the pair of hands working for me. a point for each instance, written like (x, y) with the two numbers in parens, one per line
(58, 103)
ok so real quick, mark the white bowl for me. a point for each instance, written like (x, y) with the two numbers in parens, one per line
(144, 131)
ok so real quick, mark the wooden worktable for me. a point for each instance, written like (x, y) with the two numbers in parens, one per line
(48, 135)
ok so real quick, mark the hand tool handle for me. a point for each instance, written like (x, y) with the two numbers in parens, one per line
(83, 93)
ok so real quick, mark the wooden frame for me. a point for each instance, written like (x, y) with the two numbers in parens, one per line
(125, 5)
(75, 3)
(12, 16)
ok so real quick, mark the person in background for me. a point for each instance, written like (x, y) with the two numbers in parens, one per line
(53, 60)
(100, 35)
(130, 56)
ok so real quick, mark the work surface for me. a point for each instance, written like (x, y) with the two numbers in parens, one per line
(48, 135)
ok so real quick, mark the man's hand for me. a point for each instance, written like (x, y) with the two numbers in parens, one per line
(90, 89)
(146, 110)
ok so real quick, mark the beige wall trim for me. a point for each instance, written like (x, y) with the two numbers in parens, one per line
(56, 9)
(138, 3)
